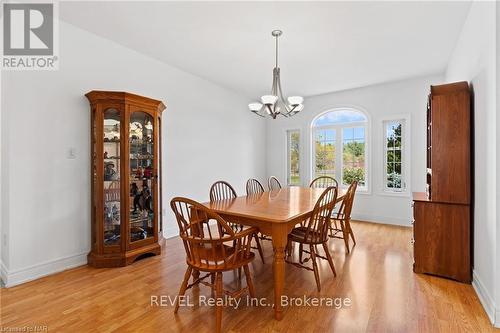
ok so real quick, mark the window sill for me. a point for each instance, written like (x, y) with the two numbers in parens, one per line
(395, 194)
(362, 191)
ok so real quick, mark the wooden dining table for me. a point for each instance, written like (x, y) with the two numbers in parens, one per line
(275, 213)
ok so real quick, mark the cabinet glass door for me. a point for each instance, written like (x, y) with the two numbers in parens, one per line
(141, 142)
(111, 158)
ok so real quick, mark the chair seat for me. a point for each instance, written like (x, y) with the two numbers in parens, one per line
(220, 257)
(299, 235)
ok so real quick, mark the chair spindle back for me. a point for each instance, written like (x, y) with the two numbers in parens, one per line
(207, 248)
(222, 190)
(346, 206)
(273, 183)
(318, 223)
(324, 182)
(254, 186)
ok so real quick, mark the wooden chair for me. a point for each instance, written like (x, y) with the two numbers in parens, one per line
(324, 182)
(314, 232)
(273, 183)
(210, 251)
(221, 190)
(254, 186)
(343, 218)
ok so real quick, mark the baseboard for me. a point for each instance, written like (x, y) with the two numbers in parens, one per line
(485, 299)
(13, 278)
(497, 319)
(382, 219)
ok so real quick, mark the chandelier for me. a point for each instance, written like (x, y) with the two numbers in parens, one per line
(275, 104)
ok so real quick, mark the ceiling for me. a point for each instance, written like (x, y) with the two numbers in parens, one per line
(325, 47)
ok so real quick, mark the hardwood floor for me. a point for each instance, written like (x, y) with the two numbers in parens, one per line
(377, 277)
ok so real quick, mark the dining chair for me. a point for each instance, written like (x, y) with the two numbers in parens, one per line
(313, 232)
(221, 190)
(254, 186)
(207, 251)
(341, 220)
(273, 183)
(323, 182)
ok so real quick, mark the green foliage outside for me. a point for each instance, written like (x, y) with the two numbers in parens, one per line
(325, 158)
(353, 160)
(394, 160)
(394, 180)
(294, 158)
(352, 174)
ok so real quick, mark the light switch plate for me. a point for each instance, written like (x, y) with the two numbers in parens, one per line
(71, 153)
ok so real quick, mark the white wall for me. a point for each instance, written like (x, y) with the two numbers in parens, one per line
(474, 59)
(208, 134)
(379, 101)
(497, 298)
(3, 232)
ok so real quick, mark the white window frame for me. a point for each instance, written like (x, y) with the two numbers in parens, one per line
(288, 133)
(339, 146)
(405, 152)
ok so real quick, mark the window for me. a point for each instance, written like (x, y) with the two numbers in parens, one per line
(394, 177)
(339, 146)
(293, 157)
(353, 155)
(325, 153)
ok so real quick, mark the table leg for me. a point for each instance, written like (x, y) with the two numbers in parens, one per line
(279, 236)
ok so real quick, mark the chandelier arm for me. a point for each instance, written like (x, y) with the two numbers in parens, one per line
(280, 95)
(270, 111)
(291, 110)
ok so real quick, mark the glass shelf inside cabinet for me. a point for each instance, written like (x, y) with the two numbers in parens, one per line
(141, 156)
(112, 218)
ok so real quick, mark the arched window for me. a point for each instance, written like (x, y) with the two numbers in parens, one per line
(339, 146)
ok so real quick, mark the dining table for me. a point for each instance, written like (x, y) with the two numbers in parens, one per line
(275, 213)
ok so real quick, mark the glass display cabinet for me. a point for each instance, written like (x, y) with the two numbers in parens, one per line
(126, 180)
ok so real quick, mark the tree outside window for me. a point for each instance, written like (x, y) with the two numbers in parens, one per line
(394, 156)
(353, 156)
(293, 153)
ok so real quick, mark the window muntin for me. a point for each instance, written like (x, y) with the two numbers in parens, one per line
(339, 146)
(394, 156)
(293, 157)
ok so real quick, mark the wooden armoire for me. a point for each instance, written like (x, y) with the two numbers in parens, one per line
(442, 215)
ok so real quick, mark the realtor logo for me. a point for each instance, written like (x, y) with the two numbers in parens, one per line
(29, 36)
